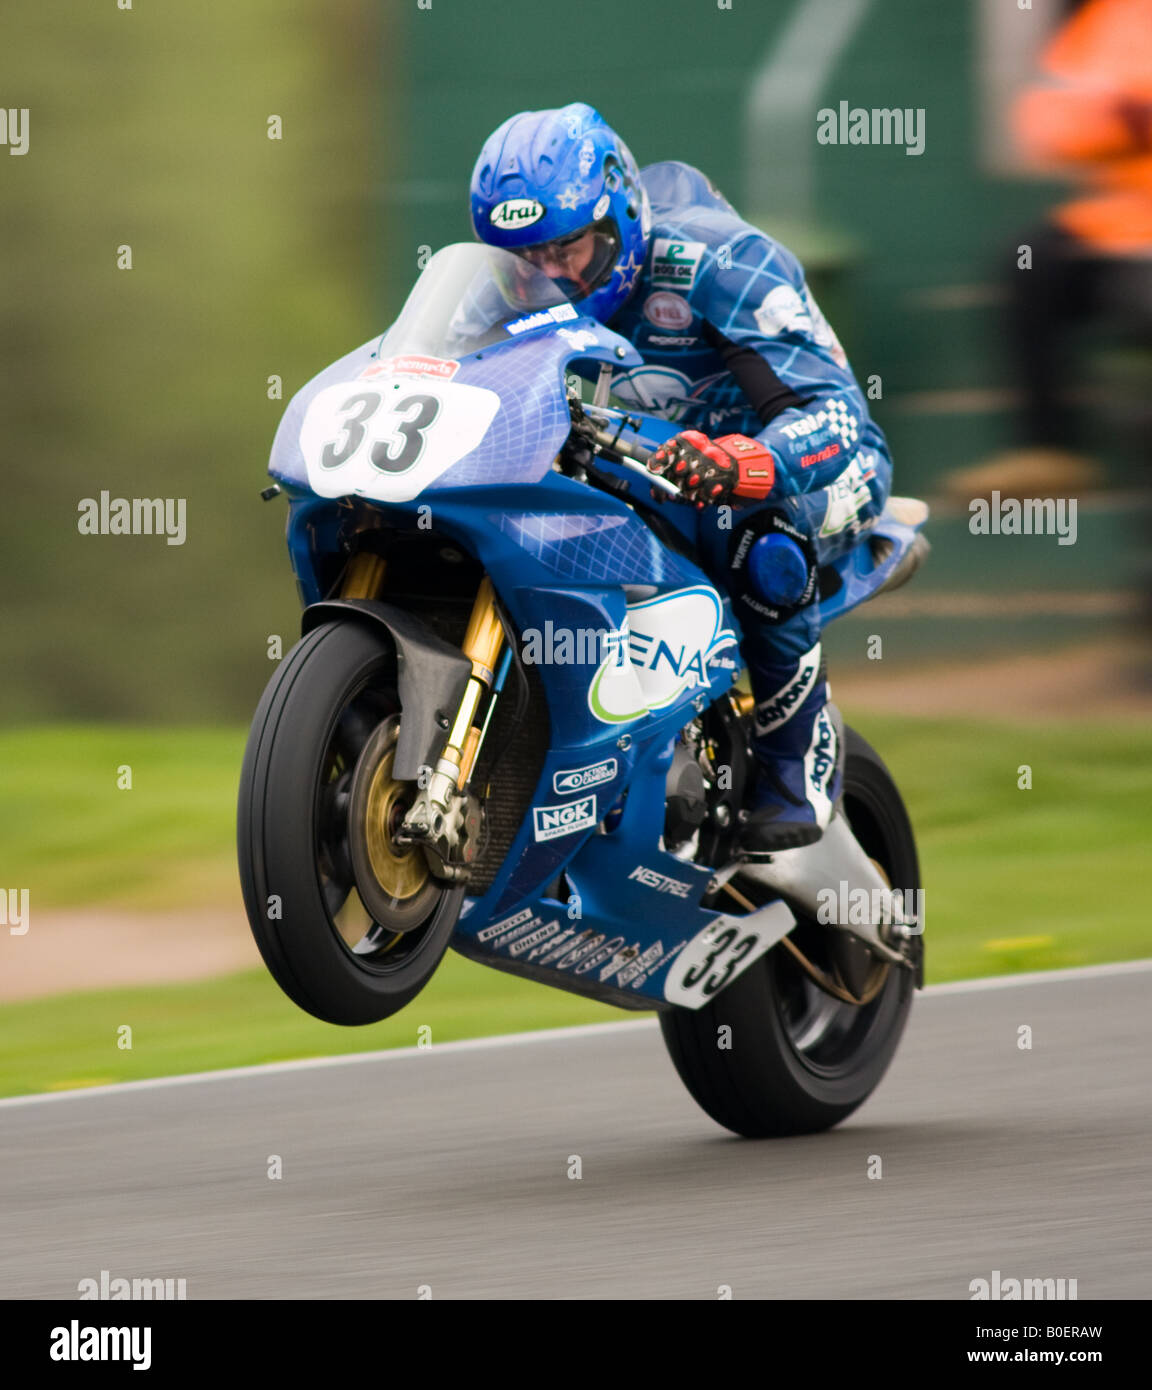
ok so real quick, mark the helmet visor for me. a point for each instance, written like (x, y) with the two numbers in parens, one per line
(580, 262)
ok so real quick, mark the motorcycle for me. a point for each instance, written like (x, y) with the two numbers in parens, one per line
(515, 723)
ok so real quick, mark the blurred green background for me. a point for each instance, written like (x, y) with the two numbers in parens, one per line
(255, 258)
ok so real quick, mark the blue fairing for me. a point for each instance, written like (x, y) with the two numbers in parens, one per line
(563, 557)
(528, 375)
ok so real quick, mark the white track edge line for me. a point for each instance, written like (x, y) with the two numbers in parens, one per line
(1037, 977)
(583, 1030)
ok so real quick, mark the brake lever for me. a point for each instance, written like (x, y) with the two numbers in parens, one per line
(661, 484)
(633, 457)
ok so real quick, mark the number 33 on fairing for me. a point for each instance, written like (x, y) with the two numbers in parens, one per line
(389, 440)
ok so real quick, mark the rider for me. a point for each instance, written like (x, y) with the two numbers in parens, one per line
(776, 444)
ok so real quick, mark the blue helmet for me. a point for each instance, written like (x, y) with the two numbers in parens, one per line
(561, 189)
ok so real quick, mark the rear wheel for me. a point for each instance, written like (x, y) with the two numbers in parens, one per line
(780, 1053)
(350, 924)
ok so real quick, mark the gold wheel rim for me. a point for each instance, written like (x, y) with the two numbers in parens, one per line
(401, 873)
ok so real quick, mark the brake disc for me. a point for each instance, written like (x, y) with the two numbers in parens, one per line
(393, 880)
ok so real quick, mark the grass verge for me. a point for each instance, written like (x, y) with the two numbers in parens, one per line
(1016, 878)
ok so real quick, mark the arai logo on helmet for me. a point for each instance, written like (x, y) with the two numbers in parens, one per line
(602, 204)
(516, 212)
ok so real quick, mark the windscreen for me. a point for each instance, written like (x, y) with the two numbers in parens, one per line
(471, 296)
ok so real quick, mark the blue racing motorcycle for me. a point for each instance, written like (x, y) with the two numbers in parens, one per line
(515, 722)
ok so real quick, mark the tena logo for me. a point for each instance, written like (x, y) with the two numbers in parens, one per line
(516, 212)
(672, 641)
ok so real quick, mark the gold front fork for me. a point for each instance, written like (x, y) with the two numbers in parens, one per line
(365, 576)
(482, 645)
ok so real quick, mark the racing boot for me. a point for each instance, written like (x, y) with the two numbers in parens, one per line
(798, 743)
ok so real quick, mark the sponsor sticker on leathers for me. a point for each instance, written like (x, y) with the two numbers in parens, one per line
(675, 263)
(779, 708)
(820, 765)
(848, 496)
(667, 310)
(782, 310)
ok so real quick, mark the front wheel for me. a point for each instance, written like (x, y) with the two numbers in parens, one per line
(350, 924)
(778, 1053)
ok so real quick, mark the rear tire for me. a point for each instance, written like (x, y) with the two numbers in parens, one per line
(301, 847)
(799, 1060)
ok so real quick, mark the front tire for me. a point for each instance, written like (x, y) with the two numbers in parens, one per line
(794, 1059)
(350, 925)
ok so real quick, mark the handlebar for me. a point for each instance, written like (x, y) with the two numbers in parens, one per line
(614, 444)
(632, 456)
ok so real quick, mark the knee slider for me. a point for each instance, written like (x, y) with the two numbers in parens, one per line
(771, 567)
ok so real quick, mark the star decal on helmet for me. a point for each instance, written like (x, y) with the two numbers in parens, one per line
(629, 271)
(569, 198)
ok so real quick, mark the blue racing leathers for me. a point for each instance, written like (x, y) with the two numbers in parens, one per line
(734, 343)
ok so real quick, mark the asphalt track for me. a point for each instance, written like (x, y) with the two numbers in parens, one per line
(448, 1168)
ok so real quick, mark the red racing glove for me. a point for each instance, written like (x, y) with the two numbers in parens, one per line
(712, 471)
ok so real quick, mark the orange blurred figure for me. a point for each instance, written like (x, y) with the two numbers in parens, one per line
(1088, 117)
(1095, 115)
